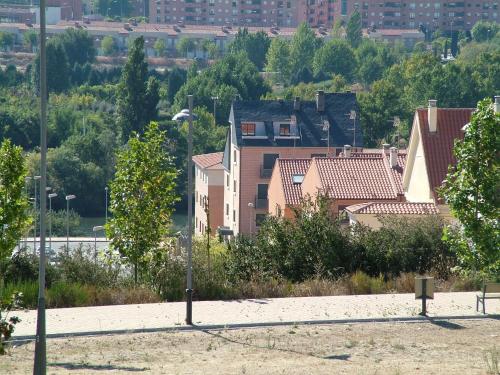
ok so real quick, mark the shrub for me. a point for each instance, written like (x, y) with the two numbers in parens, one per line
(7, 324)
(28, 289)
(63, 294)
(23, 267)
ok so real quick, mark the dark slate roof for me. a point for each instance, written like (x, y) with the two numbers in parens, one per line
(309, 120)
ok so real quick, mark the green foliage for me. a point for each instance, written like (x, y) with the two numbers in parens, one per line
(13, 202)
(304, 42)
(58, 78)
(63, 294)
(210, 47)
(6, 40)
(255, 45)
(336, 57)
(471, 189)
(7, 324)
(137, 95)
(278, 60)
(207, 137)
(108, 45)
(112, 8)
(232, 75)
(160, 47)
(78, 45)
(30, 39)
(484, 31)
(142, 196)
(185, 45)
(176, 78)
(354, 32)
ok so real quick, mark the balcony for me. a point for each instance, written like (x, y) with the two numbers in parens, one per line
(265, 172)
(261, 203)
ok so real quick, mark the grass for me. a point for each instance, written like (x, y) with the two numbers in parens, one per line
(491, 358)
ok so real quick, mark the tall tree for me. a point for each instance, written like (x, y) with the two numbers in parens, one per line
(255, 45)
(484, 31)
(108, 45)
(137, 98)
(302, 48)
(58, 72)
(13, 202)
(30, 39)
(142, 197)
(471, 189)
(160, 47)
(278, 60)
(336, 57)
(354, 31)
(78, 45)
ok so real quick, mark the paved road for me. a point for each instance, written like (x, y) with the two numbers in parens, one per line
(248, 312)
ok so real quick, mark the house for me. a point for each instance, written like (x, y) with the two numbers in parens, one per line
(209, 192)
(346, 179)
(430, 154)
(263, 131)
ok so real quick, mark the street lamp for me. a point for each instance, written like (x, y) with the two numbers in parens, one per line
(215, 98)
(26, 180)
(68, 198)
(251, 206)
(35, 178)
(52, 195)
(352, 116)
(181, 116)
(95, 230)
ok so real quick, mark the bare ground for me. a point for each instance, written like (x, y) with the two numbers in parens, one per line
(440, 347)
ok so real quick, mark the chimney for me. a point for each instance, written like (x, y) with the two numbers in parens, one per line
(320, 101)
(296, 104)
(496, 106)
(432, 115)
(347, 151)
(393, 157)
(385, 148)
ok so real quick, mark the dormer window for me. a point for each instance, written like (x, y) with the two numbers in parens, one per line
(297, 179)
(248, 128)
(284, 130)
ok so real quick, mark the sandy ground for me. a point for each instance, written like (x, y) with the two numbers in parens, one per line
(438, 347)
(162, 315)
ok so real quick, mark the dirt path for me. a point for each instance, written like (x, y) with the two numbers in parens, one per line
(457, 347)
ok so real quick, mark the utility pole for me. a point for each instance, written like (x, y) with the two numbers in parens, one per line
(40, 365)
(189, 288)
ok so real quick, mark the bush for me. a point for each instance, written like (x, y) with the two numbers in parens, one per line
(29, 290)
(63, 294)
(23, 267)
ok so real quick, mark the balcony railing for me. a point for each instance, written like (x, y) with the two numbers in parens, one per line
(261, 203)
(265, 172)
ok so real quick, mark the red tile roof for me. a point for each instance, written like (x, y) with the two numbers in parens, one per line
(366, 177)
(438, 146)
(394, 208)
(288, 168)
(211, 161)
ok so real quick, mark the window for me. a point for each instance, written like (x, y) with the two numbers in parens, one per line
(284, 129)
(227, 181)
(227, 209)
(318, 155)
(297, 179)
(234, 156)
(262, 191)
(234, 215)
(247, 128)
(269, 160)
(259, 219)
(234, 186)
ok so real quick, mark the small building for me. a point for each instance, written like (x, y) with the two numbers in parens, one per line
(209, 192)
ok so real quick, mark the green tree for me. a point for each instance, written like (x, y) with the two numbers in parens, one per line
(57, 68)
(108, 45)
(30, 39)
(6, 40)
(420, 47)
(185, 45)
(210, 48)
(336, 57)
(354, 32)
(78, 45)
(160, 47)
(338, 29)
(304, 44)
(255, 45)
(136, 95)
(13, 202)
(471, 189)
(484, 31)
(142, 197)
(278, 60)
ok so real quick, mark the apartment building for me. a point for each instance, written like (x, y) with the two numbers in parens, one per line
(209, 192)
(226, 12)
(447, 15)
(263, 131)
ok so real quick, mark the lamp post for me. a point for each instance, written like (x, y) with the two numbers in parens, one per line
(215, 98)
(26, 181)
(251, 206)
(181, 116)
(52, 195)
(68, 198)
(35, 178)
(352, 116)
(40, 360)
(95, 230)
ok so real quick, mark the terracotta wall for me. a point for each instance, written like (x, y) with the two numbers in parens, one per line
(216, 198)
